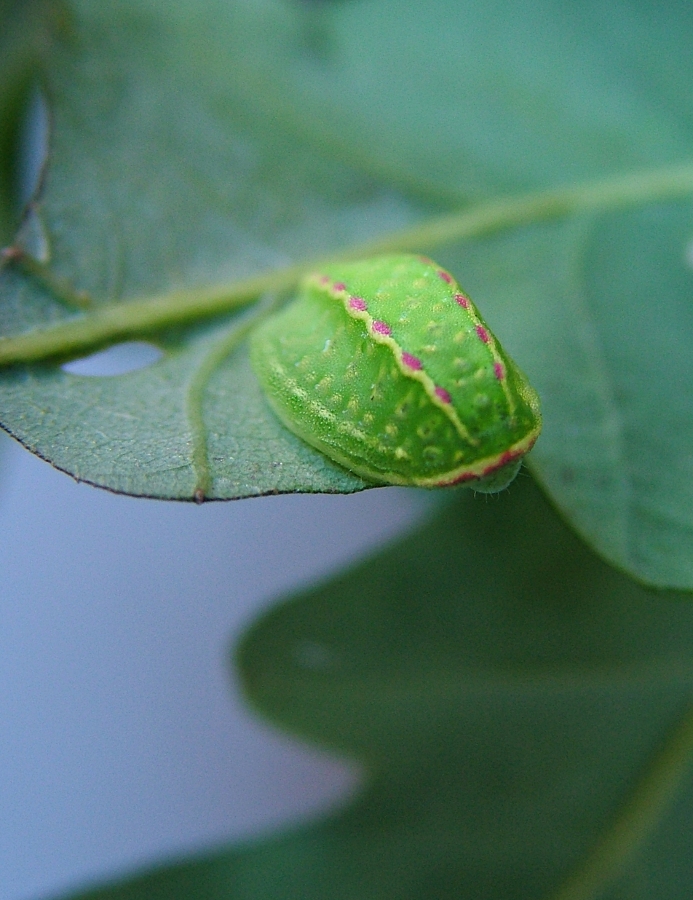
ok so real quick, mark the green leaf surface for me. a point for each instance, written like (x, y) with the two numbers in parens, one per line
(471, 99)
(204, 153)
(600, 312)
(523, 712)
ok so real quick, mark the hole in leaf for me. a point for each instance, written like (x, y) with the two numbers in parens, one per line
(116, 360)
(33, 145)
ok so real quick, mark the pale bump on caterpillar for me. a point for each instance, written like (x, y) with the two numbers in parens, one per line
(386, 366)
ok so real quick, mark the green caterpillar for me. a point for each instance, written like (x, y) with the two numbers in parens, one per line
(386, 367)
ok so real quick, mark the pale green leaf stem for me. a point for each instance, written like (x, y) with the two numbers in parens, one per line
(57, 287)
(214, 357)
(138, 317)
(638, 818)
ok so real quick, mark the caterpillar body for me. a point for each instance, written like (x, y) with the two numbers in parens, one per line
(386, 366)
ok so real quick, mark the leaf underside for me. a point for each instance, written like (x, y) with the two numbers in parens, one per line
(205, 143)
(517, 704)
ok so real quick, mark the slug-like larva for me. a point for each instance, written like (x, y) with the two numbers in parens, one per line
(386, 367)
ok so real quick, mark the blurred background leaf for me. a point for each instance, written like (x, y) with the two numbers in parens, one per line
(509, 696)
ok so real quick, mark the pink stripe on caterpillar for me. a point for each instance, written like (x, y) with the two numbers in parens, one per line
(444, 275)
(462, 300)
(467, 476)
(443, 395)
(381, 327)
(483, 334)
(508, 457)
(324, 279)
(358, 303)
(413, 362)
(499, 370)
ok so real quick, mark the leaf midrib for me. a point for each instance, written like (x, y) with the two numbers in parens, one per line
(138, 317)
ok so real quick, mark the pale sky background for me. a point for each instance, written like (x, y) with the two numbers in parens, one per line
(123, 739)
